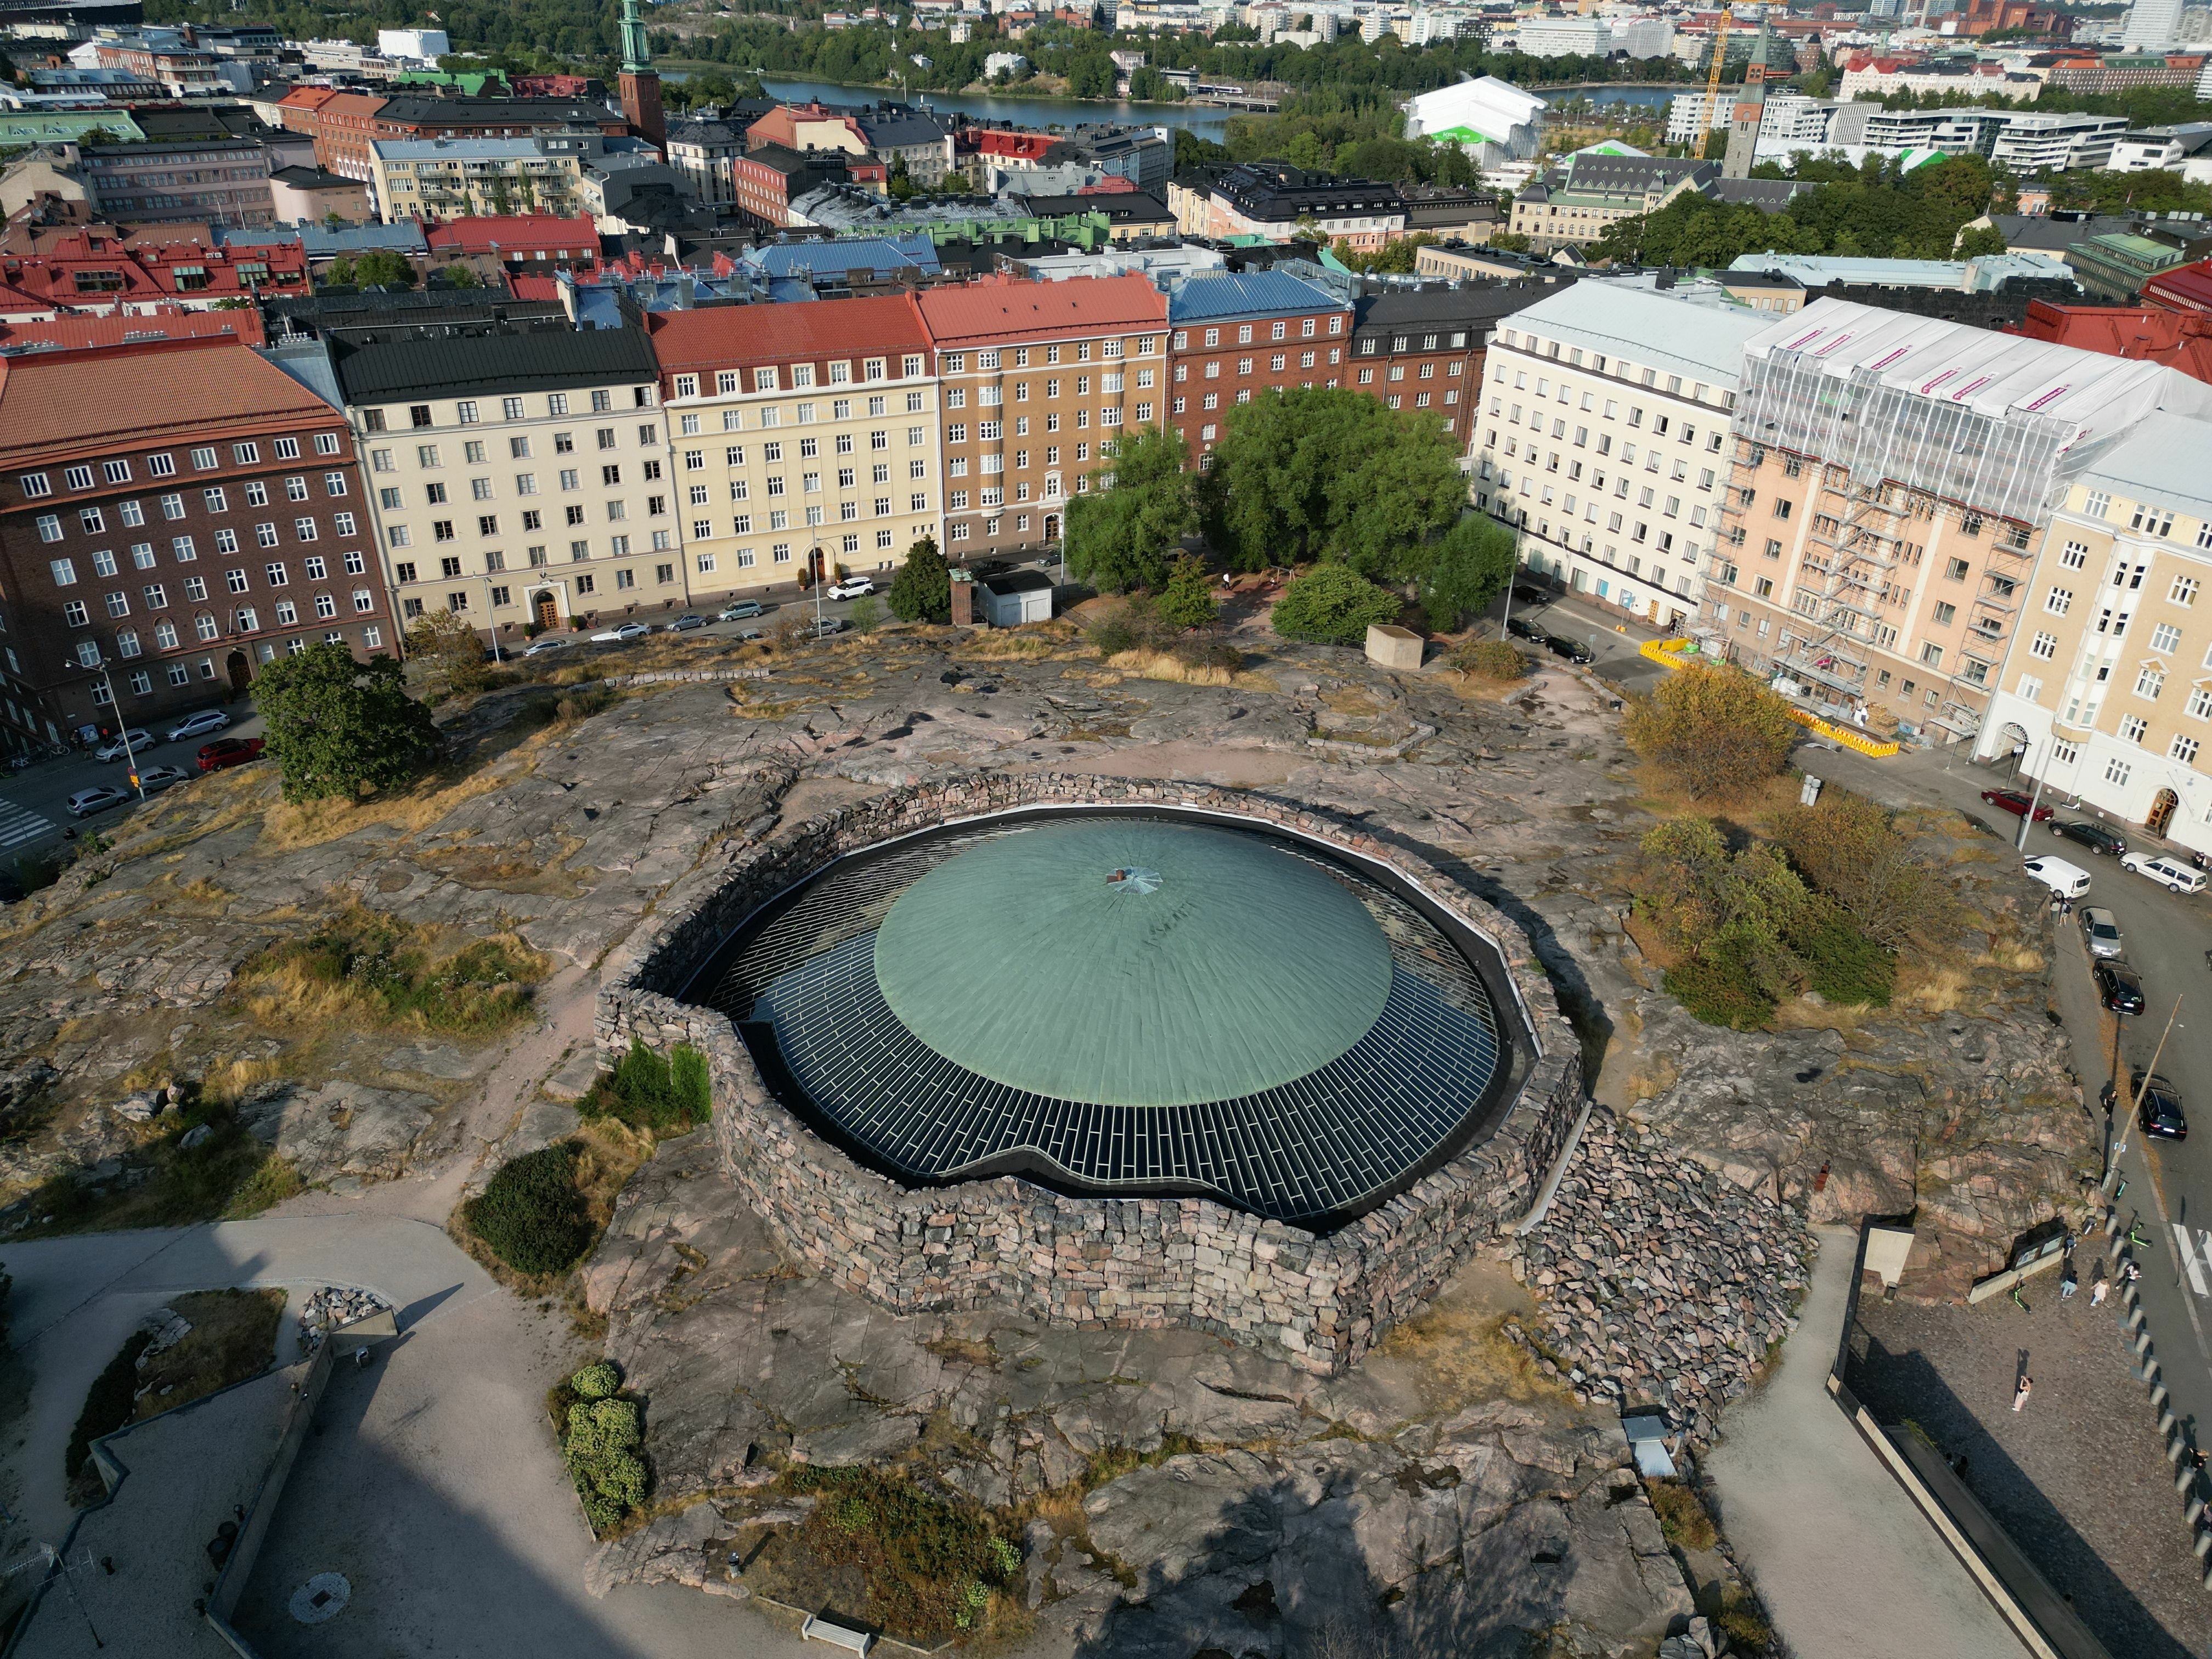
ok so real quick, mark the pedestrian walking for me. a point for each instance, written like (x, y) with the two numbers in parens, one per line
(2131, 1272)
(2098, 1291)
(2019, 1396)
(2067, 1283)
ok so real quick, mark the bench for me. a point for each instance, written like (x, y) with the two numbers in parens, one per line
(818, 1629)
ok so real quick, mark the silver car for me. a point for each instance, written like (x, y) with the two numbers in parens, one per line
(2102, 930)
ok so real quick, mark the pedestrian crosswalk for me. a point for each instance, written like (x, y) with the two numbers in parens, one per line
(19, 824)
(2196, 1259)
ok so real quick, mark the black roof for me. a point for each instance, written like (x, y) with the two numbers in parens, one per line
(496, 111)
(1017, 581)
(313, 179)
(1438, 306)
(1119, 206)
(539, 360)
(403, 312)
(1768, 195)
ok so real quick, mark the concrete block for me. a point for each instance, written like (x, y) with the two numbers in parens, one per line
(2158, 1396)
(2203, 1544)
(1390, 646)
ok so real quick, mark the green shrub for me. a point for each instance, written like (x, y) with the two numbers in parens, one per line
(1493, 660)
(930, 1562)
(1720, 987)
(1845, 966)
(1333, 604)
(663, 1096)
(604, 1453)
(530, 1213)
(598, 1381)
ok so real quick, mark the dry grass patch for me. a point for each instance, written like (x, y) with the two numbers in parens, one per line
(234, 1337)
(363, 967)
(287, 826)
(1937, 987)
(1461, 1353)
(1166, 666)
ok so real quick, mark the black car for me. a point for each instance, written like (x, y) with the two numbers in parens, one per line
(2094, 836)
(1521, 630)
(1523, 594)
(2119, 988)
(1572, 650)
(2160, 1114)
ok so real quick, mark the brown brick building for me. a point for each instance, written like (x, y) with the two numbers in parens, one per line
(1238, 335)
(180, 510)
(1035, 379)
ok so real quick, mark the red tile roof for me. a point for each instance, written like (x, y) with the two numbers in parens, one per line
(818, 331)
(166, 322)
(94, 274)
(999, 308)
(2186, 288)
(57, 405)
(2178, 340)
(516, 236)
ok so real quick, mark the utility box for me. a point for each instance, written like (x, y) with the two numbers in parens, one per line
(1888, 1249)
(963, 598)
(1389, 646)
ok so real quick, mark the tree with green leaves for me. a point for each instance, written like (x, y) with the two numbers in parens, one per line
(459, 276)
(1977, 240)
(1121, 535)
(1332, 474)
(1333, 604)
(1716, 730)
(336, 727)
(444, 643)
(922, 589)
(1468, 566)
(1188, 600)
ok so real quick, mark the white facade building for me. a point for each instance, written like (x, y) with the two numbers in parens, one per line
(2152, 23)
(1603, 438)
(421, 45)
(1563, 37)
(1493, 120)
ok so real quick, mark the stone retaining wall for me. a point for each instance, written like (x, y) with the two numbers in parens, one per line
(1320, 1302)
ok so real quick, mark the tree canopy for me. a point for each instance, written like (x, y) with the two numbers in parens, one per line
(1188, 600)
(1717, 730)
(922, 589)
(1121, 535)
(1467, 567)
(337, 725)
(1334, 606)
(1332, 474)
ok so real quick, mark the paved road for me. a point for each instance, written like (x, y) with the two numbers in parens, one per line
(2167, 936)
(33, 804)
(1846, 1565)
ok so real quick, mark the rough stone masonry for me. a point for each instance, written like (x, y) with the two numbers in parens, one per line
(1321, 1302)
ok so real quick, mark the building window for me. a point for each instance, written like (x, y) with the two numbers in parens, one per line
(2058, 601)
(2183, 750)
(2118, 771)
(2184, 590)
(2132, 728)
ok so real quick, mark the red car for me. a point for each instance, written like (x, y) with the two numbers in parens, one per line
(2015, 802)
(228, 751)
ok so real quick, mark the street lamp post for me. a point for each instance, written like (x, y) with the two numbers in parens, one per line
(816, 571)
(122, 723)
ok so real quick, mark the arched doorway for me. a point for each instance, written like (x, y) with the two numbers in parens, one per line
(1051, 528)
(546, 608)
(241, 671)
(2161, 811)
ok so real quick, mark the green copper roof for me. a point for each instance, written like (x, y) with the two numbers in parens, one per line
(1216, 966)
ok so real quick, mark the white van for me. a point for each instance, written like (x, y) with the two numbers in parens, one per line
(2167, 870)
(2067, 880)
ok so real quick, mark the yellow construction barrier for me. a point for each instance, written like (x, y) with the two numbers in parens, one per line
(1681, 653)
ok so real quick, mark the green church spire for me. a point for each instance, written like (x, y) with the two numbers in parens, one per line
(636, 55)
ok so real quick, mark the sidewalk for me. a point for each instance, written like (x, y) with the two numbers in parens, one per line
(1847, 1566)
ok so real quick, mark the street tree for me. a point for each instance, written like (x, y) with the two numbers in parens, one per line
(1123, 536)
(922, 589)
(449, 651)
(1333, 604)
(1188, 600)
(1716, 729)
(336, 727)
(1331, 474)
(1468, 566)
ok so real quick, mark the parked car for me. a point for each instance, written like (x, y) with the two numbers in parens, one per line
(1524, 630)
(2166, 870)
(739, 610)
(113, 749)
(1572, 650)
(1524, 594)
(160, 777)
(87, 801)
(851, 588)
(983, 567)
(744, 633)
(2160, 1113)
(2012, 801)
(2067, 880)
(197, 725)
(226, 752)
(622, 632)
(2094, 836)
(546, 644)
(824, 629)
(2101, 930)
(2119, 988)
(686, 622)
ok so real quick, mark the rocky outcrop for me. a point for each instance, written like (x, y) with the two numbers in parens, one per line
(1663, 1284)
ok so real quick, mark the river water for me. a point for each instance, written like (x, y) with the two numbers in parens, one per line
(1202, 119)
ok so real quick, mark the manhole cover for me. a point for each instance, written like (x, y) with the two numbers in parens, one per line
(320, 1598)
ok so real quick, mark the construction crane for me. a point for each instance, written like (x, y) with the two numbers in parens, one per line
(1713, 80)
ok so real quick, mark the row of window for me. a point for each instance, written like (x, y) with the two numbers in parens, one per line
(205, 459)
(991, 359)
(131, 514)
(469, 412)
(168, 636)
(772, 416)
(431, 456)
(991, 397)
(392, 499)
(1617, 368)
(1308, 327)
(1277, 364)
(730, 382)
(185, 549)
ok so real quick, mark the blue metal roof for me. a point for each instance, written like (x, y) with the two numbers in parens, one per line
(880, 254)
(1246, 294)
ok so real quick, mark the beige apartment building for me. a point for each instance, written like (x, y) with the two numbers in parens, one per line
(805, 439)
(1038, 381)
(2107, 692)
(517, 478)
(1891, 481)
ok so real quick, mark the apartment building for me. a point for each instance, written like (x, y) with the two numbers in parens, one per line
(1573, 204)
(1422, 347)
(1604, 435)
(1238, 335)
(1280, 202)
(1039, 378)
(180, 511)
(464, 178)
(517, 476)
(1889, 488)
(804, 438)
(2107, 692)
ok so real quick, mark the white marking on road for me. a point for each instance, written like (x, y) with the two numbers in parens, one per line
(19, 824)
(2190, 1254)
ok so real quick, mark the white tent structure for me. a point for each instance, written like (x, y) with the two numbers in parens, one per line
(1494, 121)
